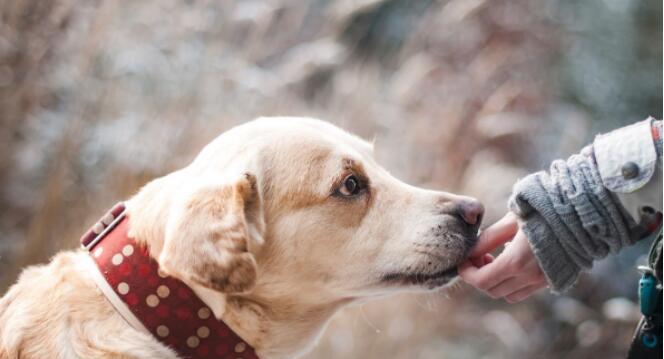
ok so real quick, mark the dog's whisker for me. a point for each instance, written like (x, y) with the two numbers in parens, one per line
(366, 320)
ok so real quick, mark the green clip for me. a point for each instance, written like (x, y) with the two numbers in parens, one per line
(648, 293)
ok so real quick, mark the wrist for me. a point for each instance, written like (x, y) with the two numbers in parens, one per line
(560, 271)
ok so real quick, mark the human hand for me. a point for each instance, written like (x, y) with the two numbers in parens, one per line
(514, 274)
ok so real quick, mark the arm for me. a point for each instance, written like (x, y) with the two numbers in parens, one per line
(571, 215)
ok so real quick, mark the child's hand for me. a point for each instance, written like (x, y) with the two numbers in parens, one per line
(514, 274)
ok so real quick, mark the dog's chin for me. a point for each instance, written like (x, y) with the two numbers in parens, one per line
(426, 280)
(436, 278)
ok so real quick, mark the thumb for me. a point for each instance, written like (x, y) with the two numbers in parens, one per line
(495, 235)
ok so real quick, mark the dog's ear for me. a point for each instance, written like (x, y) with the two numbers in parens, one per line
(209, 235)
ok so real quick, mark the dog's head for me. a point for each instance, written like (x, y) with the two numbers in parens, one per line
(299, 206)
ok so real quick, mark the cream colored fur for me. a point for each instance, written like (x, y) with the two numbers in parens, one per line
(257, 227)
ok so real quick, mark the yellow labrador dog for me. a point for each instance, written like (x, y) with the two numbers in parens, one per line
(276, 225)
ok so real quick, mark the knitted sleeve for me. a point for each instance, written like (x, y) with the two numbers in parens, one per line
(570, 216)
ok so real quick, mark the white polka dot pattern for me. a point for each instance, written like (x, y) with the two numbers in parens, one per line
(88, 240)
(123, 288)
(163, 331)
(169, 309)
(163, 291)
(128, 250)
(97, 228)
(203, 332)
(193, 342)
(204, 313)
(152, 301)
(117, 259)
(108, 218)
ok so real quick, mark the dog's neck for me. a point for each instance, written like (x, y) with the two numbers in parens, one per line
(275, 325)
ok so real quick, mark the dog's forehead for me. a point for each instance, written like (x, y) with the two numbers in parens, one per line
(309, 145)
(298, 142)
(284, 132)
(315, 133)
(286, 145)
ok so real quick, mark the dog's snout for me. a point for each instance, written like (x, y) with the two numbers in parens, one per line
(471, 211)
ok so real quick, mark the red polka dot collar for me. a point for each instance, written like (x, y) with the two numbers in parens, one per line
(152, 302)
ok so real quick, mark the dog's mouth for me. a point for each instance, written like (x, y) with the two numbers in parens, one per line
(430, 280)
(463, 242)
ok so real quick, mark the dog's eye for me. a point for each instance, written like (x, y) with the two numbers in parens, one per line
(351, 186)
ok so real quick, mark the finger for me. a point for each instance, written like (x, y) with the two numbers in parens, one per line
(485, 277)
(466, 268)
(495, 235)
(468, 271)
(507, 287)
(480, 262)
(523, 293)
(477, 261)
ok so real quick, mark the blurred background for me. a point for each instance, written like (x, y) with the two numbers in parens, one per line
(99, 97)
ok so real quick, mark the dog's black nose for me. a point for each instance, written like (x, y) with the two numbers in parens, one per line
(471, 211)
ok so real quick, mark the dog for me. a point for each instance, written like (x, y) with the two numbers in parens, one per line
(276, 225)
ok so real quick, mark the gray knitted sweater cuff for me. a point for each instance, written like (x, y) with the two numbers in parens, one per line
(570, 218)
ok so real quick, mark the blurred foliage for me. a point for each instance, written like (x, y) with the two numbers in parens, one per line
(99, 97)
(378, 31)
(613, 62)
